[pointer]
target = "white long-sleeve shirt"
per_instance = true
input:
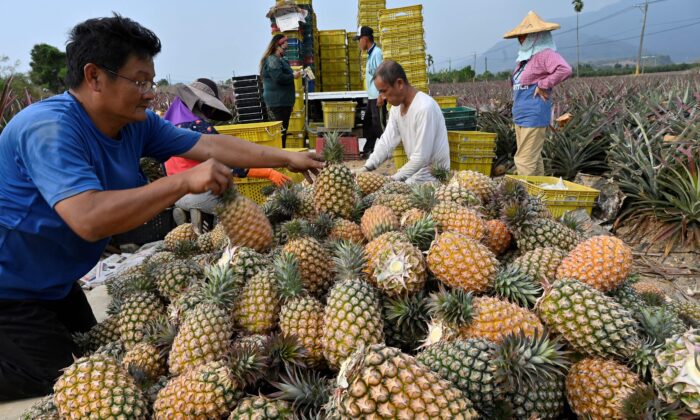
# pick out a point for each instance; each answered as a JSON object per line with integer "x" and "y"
{"x": 424, "y": 136}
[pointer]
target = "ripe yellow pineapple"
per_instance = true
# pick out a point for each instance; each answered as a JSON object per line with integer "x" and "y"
{"x": 257, "y": 307}
{"x": 244, "y": 221}
{"x": 98, "y": 387}
{"x": 596, "y": 388}
{"x": 494, "y": 319}
{"x": 398, "y": 203}
{"x": 213, "y": 240}
{"x": 463, "y": 263}
{"x": 183, "y": 233}
{"x": 174, "y": 277}
{"x": 208, "y": 391}
{"x": 480, "y": 184}
{"x": 497, "y": 236}
{"x": 335, "y": 189}
{"x": 451, "y": 217}
{"x": 345, "y": 229}
{"x": 370, "y": 182}
{"x": 150, "y": 355}
{"x": 603, "y": 262}
{"x": 399, "y": 270}
{"x": 376, "y": 246}
{"x": 378, "y": 220}
{"x": 649, "y": 287}
{"x": 314, "y": 264}
{"x": 381, "y": 382}
{"x": 457, "y": 194}
{"x": 540, "y": 263}
{"x": 136, "y": 311}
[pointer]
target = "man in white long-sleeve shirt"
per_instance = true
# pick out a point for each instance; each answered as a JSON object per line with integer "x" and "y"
{"x": 416, "y": 121}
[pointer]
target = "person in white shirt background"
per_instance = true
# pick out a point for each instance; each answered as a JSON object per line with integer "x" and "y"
{"x": 415, "y": 121}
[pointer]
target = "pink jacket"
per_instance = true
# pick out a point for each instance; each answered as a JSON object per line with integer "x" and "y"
{"x": 546, "y": 69}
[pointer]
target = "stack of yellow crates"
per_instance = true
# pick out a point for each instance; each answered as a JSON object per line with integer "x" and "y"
{"x": 334, "y": 60}
{"x": 354, "y": 60}
{"x": 403, "y": 41}
{"x": 296, "y": 133}
{"x": 368, "y": 15}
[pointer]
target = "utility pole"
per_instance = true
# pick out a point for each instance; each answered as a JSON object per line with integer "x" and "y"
{"x": 474, "y": 67}
{"x": 641, "y": 38}
{"x": 450, "y": 63}
{"x": 486, "y": 64}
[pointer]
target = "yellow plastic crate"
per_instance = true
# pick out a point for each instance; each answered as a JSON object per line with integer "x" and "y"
{"x": 296, "y": 124}
{"x": 401, "y": 12}
{"x": 480, "y": 164}
{"x": 333, "y": 37}
{"x": 334, "y": 65}
{"x": 296, "y": 139}
{"x": 332, "y": 52}
{"x": 446, "y": 101}
{"x": 466, "y": 142}
{"x": 264, "y": 133}
{"x": 299, "y": 102}
{"x": 252, "y": 188}
{"x": 559, "y": 201}
{"x": 339, "y": 114}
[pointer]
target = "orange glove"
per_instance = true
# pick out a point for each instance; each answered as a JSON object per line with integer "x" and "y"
{"x": 277, "y": 178}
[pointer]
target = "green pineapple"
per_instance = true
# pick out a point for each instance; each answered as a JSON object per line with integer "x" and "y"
{"x": 258, "y": 304}
{"x": 406, "y": 321}
{"x": 174, "y": 277}
{"x": 335, "y": 189}
{"x": 532, "y": 231}
{"x": 261, "y": 408}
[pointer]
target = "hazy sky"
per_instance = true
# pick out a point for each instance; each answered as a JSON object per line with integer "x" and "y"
{"x": 229, "y": 36}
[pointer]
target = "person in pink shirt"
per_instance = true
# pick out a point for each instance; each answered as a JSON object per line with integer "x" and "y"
{"x": 539, "y": 68}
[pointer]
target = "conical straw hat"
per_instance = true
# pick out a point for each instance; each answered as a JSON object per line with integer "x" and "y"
{"x": 530, "y": 25}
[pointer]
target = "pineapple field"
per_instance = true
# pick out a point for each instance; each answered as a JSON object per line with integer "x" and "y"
{"x": 362, "y": 297}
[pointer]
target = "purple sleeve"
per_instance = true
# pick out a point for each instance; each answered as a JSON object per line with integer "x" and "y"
{"x": 556, "y": 68}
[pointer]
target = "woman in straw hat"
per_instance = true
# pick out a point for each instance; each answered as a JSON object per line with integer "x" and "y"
{"x": 194, "y": 107}
{"x": 539, "y": 68}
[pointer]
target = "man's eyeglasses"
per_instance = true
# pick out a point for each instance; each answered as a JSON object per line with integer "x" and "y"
{"x": 144, "y": 87}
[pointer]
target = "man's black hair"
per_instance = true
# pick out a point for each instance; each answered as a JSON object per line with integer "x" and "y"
{"x": 390, "y": 71}
{"x": 107, "y": 42}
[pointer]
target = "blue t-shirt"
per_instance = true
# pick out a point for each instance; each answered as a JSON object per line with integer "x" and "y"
{"x": 52, "y": 151}
{"x": 529, "y": 110}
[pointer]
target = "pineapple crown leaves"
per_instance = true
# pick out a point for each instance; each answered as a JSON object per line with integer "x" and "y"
{"x": 222, "y": 285}
{"x": 332, "y": 149}
{"x": 523, "y": 359}
{"x": 517, "y": 287}
{"x": 296, "y": 228}
{"x": 515, "y": 216}
{"x": 642, "y": 359}
{"x": 185, "y": 249}
{"x": 286, "y": 201}
{"x": 284, "y": 351}
{"x": 160, "y": 332}
{"x": 422, "y": 233}
{"x": 454, "y": 307}
{"x": 574, "y": 223}
{"x": 644, "y": 403}
{"x": 423, "y": 197}
{"x": 659, "y": 323}
{"x": 248, "y": 364}
{"x": 321, "y": 226}
{"x": 440, "y": 173}
{"x": 349, "y": 259}
{"x": 307, "y": 390}
{"x": 288, "y": 275}
{"x": 408, "y": 312}
{"x": 226, "y": 198}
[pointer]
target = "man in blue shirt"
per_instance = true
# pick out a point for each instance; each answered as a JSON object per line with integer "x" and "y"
{"x": 372, "y": 127}
{"x": 70, "y": 179}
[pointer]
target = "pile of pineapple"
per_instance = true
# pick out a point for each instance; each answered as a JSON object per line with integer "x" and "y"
{"x": 361, "y": 297}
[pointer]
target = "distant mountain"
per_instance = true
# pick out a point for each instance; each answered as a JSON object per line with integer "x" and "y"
{"x": 672, "y": 30}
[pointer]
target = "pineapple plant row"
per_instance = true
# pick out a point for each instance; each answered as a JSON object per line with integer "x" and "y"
{"x": 365, "y": 297}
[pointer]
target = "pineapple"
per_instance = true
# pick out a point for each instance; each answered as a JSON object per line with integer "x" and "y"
{"x": 301, "y": 315}
{"x": 205, "y": 329}
{"x": 212, "y": 241}
{"x": 596, "y": 388}
{"x": 497, "y": 236}
{"x": 44, "y": 409}
{"x": 352, "y": 315}
{"x": 99, "y": 335}
{"x": 376, "y": 246}
{"x": 451, "y": 217}
{"x": 183, "y": 233}
{"x": 136, "y": 311}
{"x": 244, "y": 221}
{"x": 98, "y": 387}
{"x": 174, "y": 277}
{"x": 208, "y": 391}
{"x": 591, "y": 322}
{"x": 378, "y": 220}
{"x": 649, "y": 288}
{"x": 306, "y": 207}
{"x": 532, "y": 231}
{"x": 398, "y": 203}
{"x": 412, "y": 216}
{"x": 314, "y": 264}
{"x": 158, "y": 258}
{"x": 461, "y": 262}
{"x": 676, "y": 373}
{"x": 395, "y": 187}
{"x": 261, "y": 408}
{"x": 459, "y": 314}
{"x": 456, "y": 194}
{"x": 399, "y": 269}
{"x": 540, "y": 263}
{"x": 335, "y": 189}
{"x": 257, "y": 307}
{"x": 517, "y": 287}
{"x": 370, "y": 182}
{"x": 479, "y": 184}
{"x": 381, "y": 382}
{"x": 246, "y": 263}
{"x": 347, "y": 230}
{"x": 603, "y": 262}
{"x": 150, "y": 356}
{"x": 689, "y": 312}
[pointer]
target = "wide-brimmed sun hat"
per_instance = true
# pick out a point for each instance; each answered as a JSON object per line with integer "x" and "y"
{"x": 206, "y": 92}
{"x": 530, "y": 25}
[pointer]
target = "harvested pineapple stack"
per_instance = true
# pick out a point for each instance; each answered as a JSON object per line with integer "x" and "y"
{"x": 365, "y": 297}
